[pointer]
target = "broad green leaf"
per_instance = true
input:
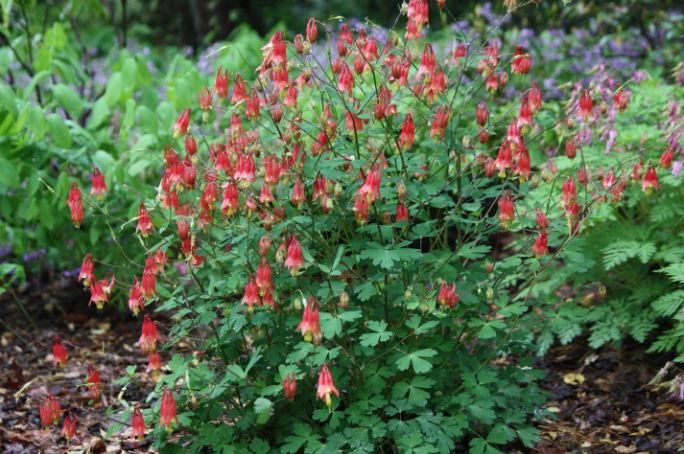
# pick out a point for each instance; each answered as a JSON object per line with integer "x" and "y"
{"x": 416, "y": 360}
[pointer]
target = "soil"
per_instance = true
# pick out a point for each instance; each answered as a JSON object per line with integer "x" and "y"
{"x": 602, "y": 399}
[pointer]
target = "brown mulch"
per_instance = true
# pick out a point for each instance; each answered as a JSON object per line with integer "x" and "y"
{"x": 601, "y": 399}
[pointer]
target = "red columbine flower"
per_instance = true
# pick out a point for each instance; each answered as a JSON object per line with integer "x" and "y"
{"x": 408, "y": 132}
{"x": 154, "y": 364}
{"x": 298, "y": 197}
{"x": 571, "y": 148}
{"x": 230, "y": 203}
{"x": 160, "y": 260}
{"x": 75, "y": 205}
{"x": 59, "y": 352}
{"x": 506, "y": 210}
{"x": 182, "y": 123}
{"x": 541, "y": 244}
{"x": 69, "y": 427}
{"x": 137, "y": 424}
{"x": 504, "y": 158}
{"x": 98, "y": 293}
{"x": 311, "y": 30}
{"x": 620, "y": 100}
{"x": 87, "y": 270}
{"x": 459, "y": 52}
{"x": 144, "y": 221}
{"x": 447, "y": 295}
{"x": 427, "y": 61}
{"x": 221, "y": 83}
{"x": 263, "y": 276}
{"x": 371, "y": 186}
{"x": 50, "y": 411}
{"x": 535, "y": 98}
{"x": 481, "y": 113}
{"x": 522, "y": 62}
{"x": 665, "y": 161}
{"x": 150, "y": 336}
{"x": 439, "y": 123}
{"x": 239, "y": 90}
{"x": 94, "y": 383}
{"x": 310, "y": 326}
{"x": 345, "y": 81}
{"x": 542, "y": 220}
{"x": 205, "y": 99}
{"x": 402, "y": 213}
{"x": 190, "y": 145}
{"x": 418, "y": 12}
{"x": 136, "y": 302}
{"x": 569, "y": 193}
{"x": 251, "y": 296}
{"x": 264, "y": 245}
{"x": 525, "y": 114}
{"x": 294, "y": 259}
{"x": 586, "y": 104}
{"x": 149, "y": 283}
{"x": 361, "y": 206}
{"x": 99, "y": 186}
{"x": 289, "y": 386}
{"x": 167, "y": 409}
{"x": 650, "y": 181}
{"x": 326, "y": 386}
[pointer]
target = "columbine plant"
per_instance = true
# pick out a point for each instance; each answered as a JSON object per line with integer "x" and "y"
{"x": 330, "y": 226}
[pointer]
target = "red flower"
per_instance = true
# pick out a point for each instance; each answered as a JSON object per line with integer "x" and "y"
{"x": 251, "y": 296}
{"x": 263, "y": 276}
{"x": 418, "y": 15}
{"x": 167, "y": 409}
{"x": 149, "y": 283}
{"x": 586, "y": 104}
{"x": 504, "y": 158}
{"x": 361, "y": 206}
{"x": 571, "y": 148}
{"x": 311, "y": 30}
{"x": 569, "y": 193}
{"x": 298, "y": 197}
{"x": 402, "y": 213}
{"x": 371, "y": 186}
{"x": 294, "y": 259}
{"x": 137, "y": 424}
{"x": 59, "y": 352}
{"x": 239, "y": 90}
{"x": 540, "y": 246}
{"x": 620, "y": 100}
{"x": 535, "y": 97}
{"x": 522, "y": 62}
{"x": 99, "y": 186}
{"x": 542, "y": 220}
{"x": 345, "y": 81}
{"x": 506, "y": 210}
{"x": 310, "y": 326}
{"x": 136, "y": 302}
{"x": 427, "y": 61}
{"x": 69, "y": 427}
{"x": 459, "y": 52}
{"x": 75, "y": 205}
{"x": 650, "y": 181}
{"x": 205, "y": 99}
{"x": 190, "y": 145}
{"x": 149, "y": 337}
{"x": 50, "y": 411}
{"x": 182, "y": 123}
{"x": 665, "y": 161}
{"x": 221, "y": 83}
{"x": 144, "y": 221}
{"x": 326, "y": 386}
{"x": 408, "y": 131}
{"x": 447, "y": 295}
{"x": 481, "y": 113}
{"x": 525, "y": 114}
{"x": 230, "y": 203}
{"x": 94, "y": 383}
{"x": 99, "y": 292}
{"x": 439, "y": 122}
{"x": 154, "y": 364}
{"x": 87, "y": 270}
{"x": 289, "y": 386}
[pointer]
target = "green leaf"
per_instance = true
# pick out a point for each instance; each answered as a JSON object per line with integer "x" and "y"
{"x": 113, "y": 90}
{"x": 486, "y": 332}
{"x": 380, "y": 334}
{"x": 262, "y": 408}
{"x": 385, "y": 258}
{"x": 99, "y": 114}
{"x": 416, "y": 360}
{"x": 500, "y": 434}
{"x": 675, "y": 272}
{"x": 9, "y": 176}
{"x": 8, "y": 99}
{"x": 59, "y": 131}
{"x": 529, "y": 436}
{"x": 68, "y": 99}
{"x": 293, "y": 443}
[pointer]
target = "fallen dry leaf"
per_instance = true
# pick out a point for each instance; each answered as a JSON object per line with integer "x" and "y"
{"x": 573, "y": 378}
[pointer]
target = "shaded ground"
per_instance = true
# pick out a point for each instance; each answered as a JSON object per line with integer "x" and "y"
{"x": 601, "y": 399}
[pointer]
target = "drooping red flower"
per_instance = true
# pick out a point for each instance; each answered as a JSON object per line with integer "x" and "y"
{"x": 522, "y": 61}
{"x": 665, "y": 160}
{"x": 506, "y": 210}
{"x": 504, "y": 158}
{"x": 136, "y": 302}
{"x": 408, "y": 132}
{"x": 87, "y": 270}
{"x": 650, "y": 181}
{"x": 50, "y": 410}
{"x": 263, "y": 276}
{"x": 310, "y": 326}
{"x": 541, "y": 244}
{"x": 149, "y": 283}
{"x": 418, "y": 16}
{"x": 180, "y": 128}
{"x": 221, "y": 83}
{"x": 542, "y": 220}
{"x": 586, "y": 104}
{"x": 294, "y": 259}
{"x": 69, "y": 427}
{"x": 620, "y": 100}
{"x": 59, "y": 352}
{"x": 402, "y": 213}
{"x": 459, "y": 52}
{"x": 447, "y": 296}
{"x": 230, "y": 203}
{"x": 289, "y": 386}
{"x": 144, "y": 221}
{"x": 99, "y": 292}
{"x": 154, "y": 364}
{"x": 569, "y": 193}
{"x": 427, "y": 62}
{"x": 571, "y": 148}
{"x": 371, "y": 186}
{"x": 137, "y": 424}
{"x": 167, "y": 409}
{"x": 150, "y": 336}
{"x": 75, "y": 205}
{"x": 439, "y": 123}
{"x": 190, "y": 145}
{"x": 326, "y": 386}
{"x": 535, "y": 97}
{"x": 251, "y": 296}
{"x": 525, "y": 114}
{"x": 345, "y": 81}
{"x": 94, "y": 383}
{"x": 99, "y": 188}
{"x": 481, "y": 113}
{"x": 298, "y": 197}
{"x": 205, "y": 99}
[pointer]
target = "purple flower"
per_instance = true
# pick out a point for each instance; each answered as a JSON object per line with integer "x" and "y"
{"x": 677, "y": 168}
